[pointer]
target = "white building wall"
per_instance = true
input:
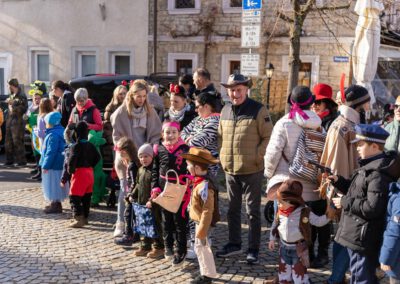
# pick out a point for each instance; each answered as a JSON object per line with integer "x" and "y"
{"x": 63, "y": 27}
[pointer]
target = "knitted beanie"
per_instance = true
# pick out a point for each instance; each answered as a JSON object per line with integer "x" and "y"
{"x": 53, "y": 118}
{"x": 356, "y": 95}
{"x": 146, "y": 149}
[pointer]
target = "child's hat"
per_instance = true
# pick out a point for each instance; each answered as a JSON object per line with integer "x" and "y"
{"x": 201, "y": 156}
{"x": 53, "y": 118}
{"x": 81, "y": 130}
{"x": 371, "y": 133}
{"x": 291, "y": 191}
{"x": 146, "y": 149}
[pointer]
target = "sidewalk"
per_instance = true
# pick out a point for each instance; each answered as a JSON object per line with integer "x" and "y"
{"x": 40, "y": 248}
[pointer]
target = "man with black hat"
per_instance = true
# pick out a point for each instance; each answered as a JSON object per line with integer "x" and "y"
{"x": 15, "y": 125}
{"x": 341, "y": 156}
{"x": 244, "y": 132}
{"x": 364, "y": 204}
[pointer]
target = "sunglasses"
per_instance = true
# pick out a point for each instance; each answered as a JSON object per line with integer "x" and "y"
{"x": 396, "y": 106}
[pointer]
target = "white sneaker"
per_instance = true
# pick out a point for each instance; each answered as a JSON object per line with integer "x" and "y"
{"x": 119, "y": 229}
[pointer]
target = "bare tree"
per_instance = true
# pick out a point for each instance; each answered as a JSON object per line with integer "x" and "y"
{"x": 299, "y": 13}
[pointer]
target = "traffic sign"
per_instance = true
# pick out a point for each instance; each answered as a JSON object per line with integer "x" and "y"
{"x": 250, "y": 35}
{"x": 251, "y": 16}
{"x": 252, "y": 4}
{"x": 249, "y": 64}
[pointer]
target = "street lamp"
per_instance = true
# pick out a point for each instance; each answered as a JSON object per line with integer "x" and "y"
{"x": 269, "y": 71}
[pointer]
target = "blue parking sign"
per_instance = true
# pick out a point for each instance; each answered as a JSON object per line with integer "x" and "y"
{"x": 252, "y": 4}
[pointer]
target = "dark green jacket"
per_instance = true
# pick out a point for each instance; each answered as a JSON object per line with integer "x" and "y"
{"x": 142, "y": 190}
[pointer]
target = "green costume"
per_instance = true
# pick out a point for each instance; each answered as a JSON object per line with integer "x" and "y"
{"x": 99, "y": 187}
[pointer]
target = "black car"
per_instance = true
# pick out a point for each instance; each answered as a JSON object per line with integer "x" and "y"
{"x": 101, "y": 86}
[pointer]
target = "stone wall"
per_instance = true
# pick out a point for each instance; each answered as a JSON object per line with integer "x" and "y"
{"x": 180, "y": 34}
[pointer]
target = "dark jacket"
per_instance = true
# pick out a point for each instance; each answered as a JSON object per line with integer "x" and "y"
{"x": 327, "y": 120}
{"x": 67, "y": 104}
{"x": 364, "y": 204}
{"x": 166, "y": 160}
{"x": 83, "y": 155}
{"x": 188, "y": 117}
{"x": 142, "y": 190}
{"x": 390, "y": 251}
{"x": 132, "y": 171}
{"x": 244, "y": 132}
{"x": 53, "y": 148}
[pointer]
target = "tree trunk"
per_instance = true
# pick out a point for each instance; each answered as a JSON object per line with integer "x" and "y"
{"x": 294, "y": 51}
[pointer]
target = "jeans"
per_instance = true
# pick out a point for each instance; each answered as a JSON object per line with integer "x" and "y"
{"x": 121, "y": 201}
{"x": 249, "y": 185}
{"x": 362, "y": 268}
{"x": 340, "y": 263}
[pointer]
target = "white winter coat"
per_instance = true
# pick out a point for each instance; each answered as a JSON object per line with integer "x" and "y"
{"x": 284, "y": 138}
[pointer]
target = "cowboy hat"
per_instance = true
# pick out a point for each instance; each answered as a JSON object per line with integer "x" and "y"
{"x": 199, "y": 155}
{"x": 235, "y": 80}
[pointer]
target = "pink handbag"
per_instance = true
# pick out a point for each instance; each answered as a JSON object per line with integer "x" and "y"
{"x": 171, "y": 198}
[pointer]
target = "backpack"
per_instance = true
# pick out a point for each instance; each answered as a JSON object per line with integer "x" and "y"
{"x": 309, "y": 147}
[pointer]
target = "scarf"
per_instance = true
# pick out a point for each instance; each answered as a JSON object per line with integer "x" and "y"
{"x": 139, "y": 117}
{"x": 286, "y": 212}
{"x": 296, "y": 108}
{"x": 172, "y": 148}
{"x": 178, "y": 115}
{"x": 324, "y": 114}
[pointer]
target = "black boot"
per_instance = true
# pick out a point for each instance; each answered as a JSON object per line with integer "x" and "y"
{"x": 86, "y": 206}
{"x": 76, "y": 205}
{"x": 38, "y": 175}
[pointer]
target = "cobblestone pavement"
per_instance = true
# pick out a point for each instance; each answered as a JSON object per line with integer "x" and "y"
{"x": 40, "y": 248}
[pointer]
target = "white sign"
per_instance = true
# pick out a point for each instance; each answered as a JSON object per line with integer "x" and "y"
{"x": 251, "y": 16}
{"x": 249, "y": 64}
{"x": 250, "y": 36}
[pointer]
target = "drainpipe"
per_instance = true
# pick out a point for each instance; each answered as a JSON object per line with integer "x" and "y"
{"x": 154, "y": 36}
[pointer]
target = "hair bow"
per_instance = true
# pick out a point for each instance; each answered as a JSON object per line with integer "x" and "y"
{"x": 174, "y": 89}
{"x": 131, "y": 82}
{"x": 124, "y": 83}
{"x": 297, "y": 109}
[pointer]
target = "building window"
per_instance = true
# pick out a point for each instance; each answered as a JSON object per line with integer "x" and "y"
{"x": 305, "y": 74}
{"x": 234, "y": 67}
{"x": 40, "y": 65}
{"x": 236, "y": 3}
{"x": 85, "y": 62}
{"x": 119, "y": 61}
{"x": 232, "y": 6}
{"x": 183, "y": 63}
{"x": 184, "y": 6}
{"x": 184, "y": 66}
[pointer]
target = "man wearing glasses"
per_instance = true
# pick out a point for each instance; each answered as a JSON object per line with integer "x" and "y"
{"x": 392, "y": 143}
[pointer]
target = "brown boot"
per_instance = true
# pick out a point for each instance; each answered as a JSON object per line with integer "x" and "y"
{"x": 141, "y": 252}
{"x": 54, "y": 208}
{"x": 156, "y": 253}
{"x": 79, "y": 222}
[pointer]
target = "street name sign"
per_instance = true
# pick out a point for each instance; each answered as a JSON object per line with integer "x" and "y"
{"x": 249, "y": 64}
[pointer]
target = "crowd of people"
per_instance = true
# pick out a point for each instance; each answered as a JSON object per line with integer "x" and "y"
{"x": 322, "y": 163}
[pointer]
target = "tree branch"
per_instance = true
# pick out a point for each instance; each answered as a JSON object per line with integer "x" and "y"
{"x": 284, "y": 17}
{"x": 333, "y": 8}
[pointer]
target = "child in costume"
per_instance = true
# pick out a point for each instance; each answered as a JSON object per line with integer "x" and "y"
{"x": 168, "y": 156}
{"x": 203, "y": 207}
{"x": 292, "y": 227}
{"x": 83, "y": 159}
{"x": 51, "y": 163}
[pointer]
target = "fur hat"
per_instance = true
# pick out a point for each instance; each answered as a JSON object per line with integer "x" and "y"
{"x": 356, "y": 95}
{"x": 201, "y": 156}
{"x": 146, "y": 149}
{"x": 291, "y": 191}
{"x": 81, "y": 130}
{"x": 53, "y": 118}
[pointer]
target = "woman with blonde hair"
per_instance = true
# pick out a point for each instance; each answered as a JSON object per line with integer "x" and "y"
{"x": 137, "y": 120}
